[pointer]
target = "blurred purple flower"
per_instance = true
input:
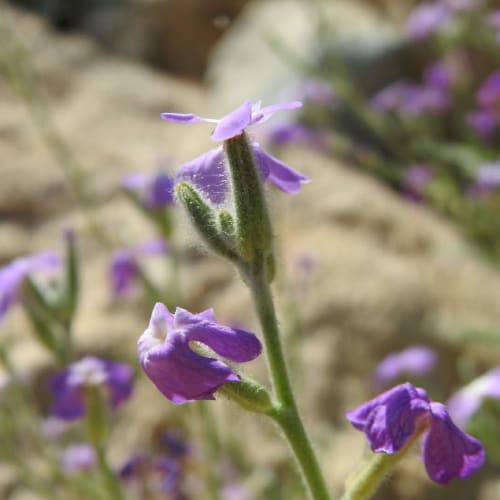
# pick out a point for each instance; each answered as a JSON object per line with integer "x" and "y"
{"x": 442, "y": 75}
{"x": 286, "y": 133}
{"x": 78, "y": 457}
{"x": 174, "y": 445}
{"x": 124, "y": 268}
{"x": 13, "y": 274}
{"x": 426, "y": 19}
{"x": 169, "y": 473}
{"x": 317, "y": 91}
{"x": 488, "y": 95}
{"x": 392, "y": 418}
{"x": 464, "y": 403}
{"x": 67, "y": 387}
{"x": 135, "y": 466}
{"x": 234, "y": 491}
{"x": 410, "y": 99}
{"x": 207, "y": 172}
{"x": 415, "y": 360}
{"x": 485, "y": 123}
{"x": 53, "y": 427}
{"x": 415, "y": 181}
{"x": 178, "y": 372}
{"x": 154, "y": 190}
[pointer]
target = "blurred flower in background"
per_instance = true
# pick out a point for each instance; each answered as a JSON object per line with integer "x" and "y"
{"x": 413, "y": 361}
{"x": 78, "y": 457}
{"x": 68, "y": 386}
{"x": 12, "y": 276}
{"x": 125, "y": 268}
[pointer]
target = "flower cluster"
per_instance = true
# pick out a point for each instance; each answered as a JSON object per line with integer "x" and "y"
{"x": 391, "y": 419}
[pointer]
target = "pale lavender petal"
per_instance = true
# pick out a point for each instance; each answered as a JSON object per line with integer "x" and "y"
{"x": 185, "y": 118}
{"x": 119, "y": 382}
{"x": 279, "y": 174}
{"x": 207, "y": 173}
{"x": 464, "y": 403}
{"x": 13, "y": 274}
{"x": 266, "y": 112}
{"x": 231, "y": 343}
{"x": 415, "y": 360}
{"x": 78, "y": 457}
{"x": 426, "y": 19}
{"x": 448, "y": 452}
{"x": 234, "y": 123}
{"x": 156, "y": 246}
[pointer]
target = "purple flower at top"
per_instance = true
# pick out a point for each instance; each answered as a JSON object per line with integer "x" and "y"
{"x": 124, "y": 267}
{"x": 415, "y": 181}
{"x": 13, "y": 274}
{"x": 237, "y": 121}
{"x": 426, "y": 19}
{"x": 178, "y": 372}
{"x": 67, "y": 387}
{"x": 154, "y": 190}
{"x": 464, "y": 403}
{"x": 208, "y": 173}
{"x": 414, "y": 360}
{"x": 78, "y": 457}
{"x": 393, "y": 417}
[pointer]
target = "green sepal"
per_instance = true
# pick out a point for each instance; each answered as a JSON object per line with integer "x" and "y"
{"x": 248, "y": 394}
{"x": 204, "y": 219}
{"x": 72, "y": 277}
{"x": 253, "y": 225}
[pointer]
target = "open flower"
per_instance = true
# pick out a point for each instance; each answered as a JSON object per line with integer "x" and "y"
{"x": 68, "y": 386}
{"x": 13, "y": 274}
{"x": 414, "y": 360}
{"x": 466, "y": 402}
{"x": 207, "y": 172}
{"x": 392, "y": 418}
{"x": 178, "y": 372}
{"x": 124, "y": 268}
{"x": 426, "y": 19}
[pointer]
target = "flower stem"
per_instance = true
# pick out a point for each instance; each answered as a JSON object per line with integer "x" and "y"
{"x": 113, "y": 488}
{"x": 211, "y": 449}
{"x": 366, "y": 482}
{"x": 285, "y": 411}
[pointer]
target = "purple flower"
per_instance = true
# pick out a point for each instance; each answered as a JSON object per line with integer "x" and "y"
{"x": 484, "y": 122}
{"x": 154, "y": 190}
{"x": 124, "y": 268}
{"x": 392, "y": 418}
{"x": 415, "y": 181}
{"x": 134, "y": 467}
{"x": 415, "y": 360}
{"x": 237, "y": 121}
{"x": 78, "y": 458}
{"x": 488, "y": 95}
{"x": 426, "y": 19}
{"x": 178, "y": 372}
{"x": 13, "y": 274}
{"x": 67, "y": 387}
{"x": 464, "y": 403}
{"x": 410, "y": 99}
{"x": 207, "y": 172}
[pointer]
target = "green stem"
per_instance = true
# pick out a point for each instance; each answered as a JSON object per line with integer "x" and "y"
{"x": 109, "y": 478}
{"x": 368, "y": 479}
{"x": 210, "y": 448}
{"x": 285, "y": 412}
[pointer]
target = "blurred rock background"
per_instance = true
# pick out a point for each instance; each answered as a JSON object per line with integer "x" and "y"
{"x": 387, "y": 275}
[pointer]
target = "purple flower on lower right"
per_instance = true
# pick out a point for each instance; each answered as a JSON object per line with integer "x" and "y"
{"x": 391, "y": 419}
